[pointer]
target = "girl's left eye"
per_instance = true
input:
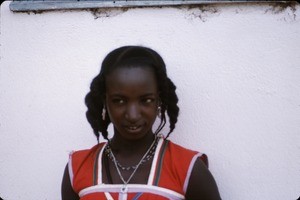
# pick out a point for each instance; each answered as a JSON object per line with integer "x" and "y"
{"x": 148, "y": 100}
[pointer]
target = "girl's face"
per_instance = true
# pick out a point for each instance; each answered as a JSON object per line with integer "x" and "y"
{"x": 132, "y": 100}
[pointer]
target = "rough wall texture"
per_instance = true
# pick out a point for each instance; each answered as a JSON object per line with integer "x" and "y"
{"x": 237, "y": 68}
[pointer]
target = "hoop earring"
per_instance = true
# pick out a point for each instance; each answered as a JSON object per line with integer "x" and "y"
{"x": 159, "y": 111}
{"x": 103, "y": 113}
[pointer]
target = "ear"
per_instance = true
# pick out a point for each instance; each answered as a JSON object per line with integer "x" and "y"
{"x": 159, "y": 102}
{"x": 104, "y": 101}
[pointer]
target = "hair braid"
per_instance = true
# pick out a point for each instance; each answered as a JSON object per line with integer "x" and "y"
{"x": 94, "y": 102}
{"x": 173, "y": 109}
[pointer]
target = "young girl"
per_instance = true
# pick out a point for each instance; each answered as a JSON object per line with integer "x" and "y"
{"x": 138, "y": 162}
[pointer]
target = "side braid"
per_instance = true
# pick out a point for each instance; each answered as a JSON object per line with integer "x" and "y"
{"x": 172, "y": 109}
{"x": 94, "y": 102}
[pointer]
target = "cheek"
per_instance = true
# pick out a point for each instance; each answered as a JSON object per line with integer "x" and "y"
{"x": 151, "y": 112}
{"x": 114, "y": 113}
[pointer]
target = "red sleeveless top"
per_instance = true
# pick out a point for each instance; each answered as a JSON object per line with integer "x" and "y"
{"x": 169, "y": 176}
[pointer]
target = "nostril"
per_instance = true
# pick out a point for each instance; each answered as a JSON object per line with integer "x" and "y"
{"x": 133, "y": 114}
{"x": 132, "y": 118}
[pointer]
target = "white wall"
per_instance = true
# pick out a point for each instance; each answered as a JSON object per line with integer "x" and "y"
{"x": 237, "y": 68}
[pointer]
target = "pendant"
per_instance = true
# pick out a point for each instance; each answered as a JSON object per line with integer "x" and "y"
{"x": 124, "y": 189}
{"x": 123, "y": 192}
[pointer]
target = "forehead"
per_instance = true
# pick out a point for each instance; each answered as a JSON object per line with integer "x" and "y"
{"x": 131, "y": 80}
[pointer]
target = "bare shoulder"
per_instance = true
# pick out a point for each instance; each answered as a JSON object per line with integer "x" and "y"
{"x": 67, "y": 192}
{"x": 202, "y": 184}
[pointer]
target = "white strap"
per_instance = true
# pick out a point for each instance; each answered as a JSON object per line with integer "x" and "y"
{"x": 99, "y": 180}
{"x": 189, "y": 172}
{"x": 70, "y": 168}
{"x": 154, "y": 162}
{"x": 108, "y": 196}
{"x": 132, "y": 188}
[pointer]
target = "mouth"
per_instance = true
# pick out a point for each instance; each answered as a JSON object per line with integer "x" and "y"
{"x": 134, "y": 129}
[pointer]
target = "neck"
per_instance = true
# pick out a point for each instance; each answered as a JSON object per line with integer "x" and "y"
{"x": 121, "y": 145}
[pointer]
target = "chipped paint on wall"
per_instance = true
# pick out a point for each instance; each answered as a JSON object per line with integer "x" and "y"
{"x": 204, "y": 12}
{"x": 198, "y": 11}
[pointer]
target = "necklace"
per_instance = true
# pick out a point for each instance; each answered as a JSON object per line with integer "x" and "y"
{"x": 146, "y": 158}
{"x": 135, "y": 167}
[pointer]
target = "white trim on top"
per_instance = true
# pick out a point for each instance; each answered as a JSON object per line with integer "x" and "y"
{"x": 154, "y": 161}
{"x": 189, "y": 172}
{"x": 99, "y": 178}
{"x": 132, "y": 188}
{"x": 70, "y": 168}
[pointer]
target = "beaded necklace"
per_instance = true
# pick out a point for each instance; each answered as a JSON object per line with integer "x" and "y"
{"x": 147, "y": 156}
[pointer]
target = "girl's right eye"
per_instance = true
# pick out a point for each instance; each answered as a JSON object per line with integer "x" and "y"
{"x": 118, "y": 101}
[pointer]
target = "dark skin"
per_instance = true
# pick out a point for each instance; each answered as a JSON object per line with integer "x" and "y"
{"x": 132, "y": 99}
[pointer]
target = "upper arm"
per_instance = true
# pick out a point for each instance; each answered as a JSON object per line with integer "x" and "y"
{"x": 67, "y": 192}
{"x": 202, "y": 184}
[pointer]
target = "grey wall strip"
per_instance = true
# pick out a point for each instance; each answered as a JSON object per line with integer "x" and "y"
{"x": 34, "y": 5}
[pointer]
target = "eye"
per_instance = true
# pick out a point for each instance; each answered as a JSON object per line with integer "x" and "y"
{"x": 148, "y": 100}
{"x": 118, "y": 101}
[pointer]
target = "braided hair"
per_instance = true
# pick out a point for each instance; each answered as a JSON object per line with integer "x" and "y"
{"x": 131, "y": 56}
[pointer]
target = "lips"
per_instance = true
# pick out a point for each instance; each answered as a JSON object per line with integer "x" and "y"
{"x": 134, "y": 128}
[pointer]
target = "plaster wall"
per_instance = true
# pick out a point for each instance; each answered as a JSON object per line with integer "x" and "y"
{"x": 236, "y": 67}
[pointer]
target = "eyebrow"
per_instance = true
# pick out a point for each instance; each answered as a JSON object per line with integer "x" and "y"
{"x": 121, "y": 95}
{"x": 148, "y": 94}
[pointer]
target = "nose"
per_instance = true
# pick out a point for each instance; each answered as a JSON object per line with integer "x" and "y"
{"x": 133, "y": 113}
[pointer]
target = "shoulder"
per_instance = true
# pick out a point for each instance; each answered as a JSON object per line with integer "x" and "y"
{"x": 202, "y": 183}
{"x": 198, "y": 180}
{"x": 180, "y": 161}
{"x": 184, "y": 153}
{"x": 79, "y": 162}
{"x": 84, "y": 152}
{"x": 178, "y": 148}
{"x": 79, "y": 156}
{"x": 81, "y": 166}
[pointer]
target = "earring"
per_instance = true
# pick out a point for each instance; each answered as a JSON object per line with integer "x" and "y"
{"x": 103, "y": 113}
{"x": 159, "y": 111}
